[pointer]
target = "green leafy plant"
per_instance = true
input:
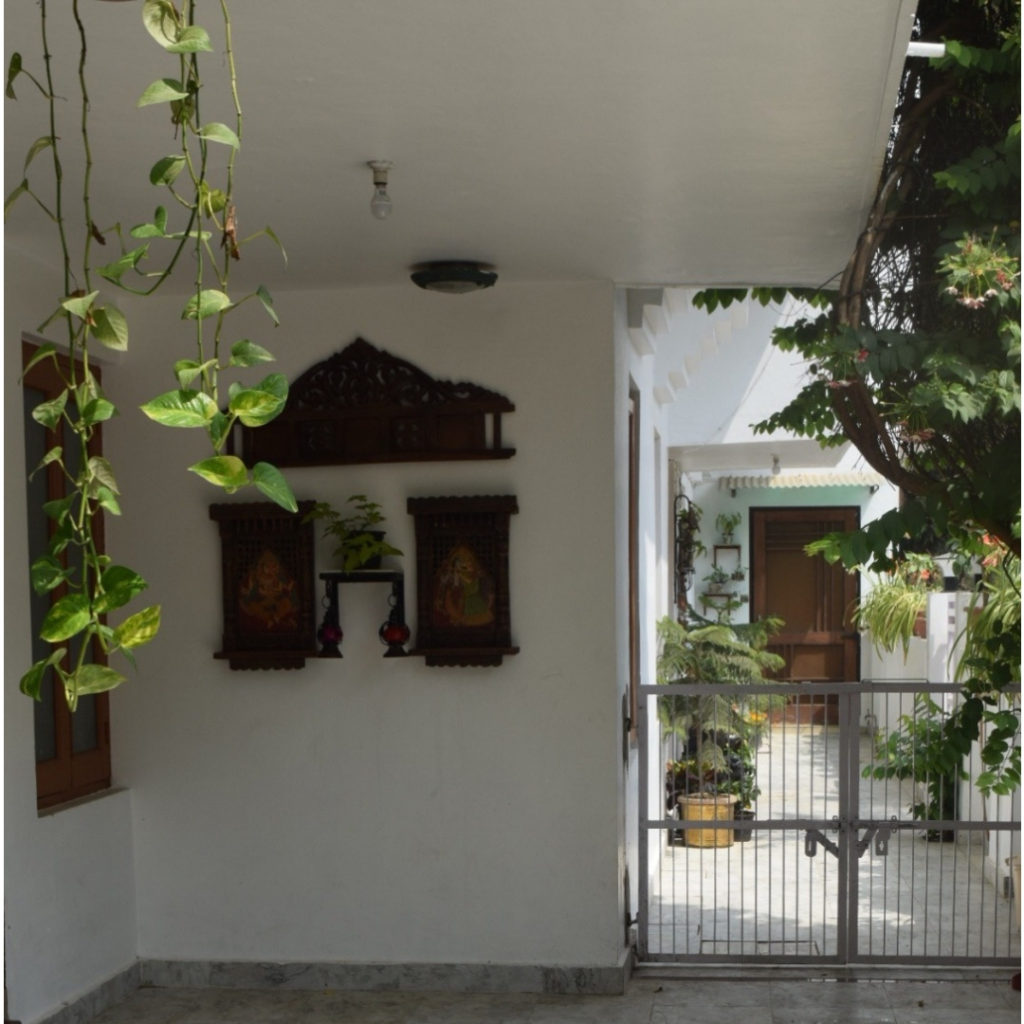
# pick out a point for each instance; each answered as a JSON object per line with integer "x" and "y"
{"x": 359, "y": 543}
{"x": 718, "y": 576}
{"x": 919, "y": 750}
{"x": 891, "y": 608}
{"x": 93, "y": 587}
{"x": 726, "y": 523}
{"x": 699, "y": 651}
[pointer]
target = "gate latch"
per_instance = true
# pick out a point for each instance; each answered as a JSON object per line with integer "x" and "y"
{"x": 881, "y": 835}
{"x": 882, "y": 842}
{"x": 814, "y": 836}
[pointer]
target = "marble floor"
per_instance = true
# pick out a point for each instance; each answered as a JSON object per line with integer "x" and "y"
{"x": 648, "y": 1000}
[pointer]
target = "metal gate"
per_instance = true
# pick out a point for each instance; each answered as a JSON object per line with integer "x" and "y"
{"x": 852, "y": 851}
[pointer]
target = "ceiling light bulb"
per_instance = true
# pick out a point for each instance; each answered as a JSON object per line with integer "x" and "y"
{"x": 380, "y": 204}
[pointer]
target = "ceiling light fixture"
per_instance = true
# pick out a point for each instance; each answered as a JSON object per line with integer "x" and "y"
{"x": 380, "y": 204}
{"x": 454, "y": 276}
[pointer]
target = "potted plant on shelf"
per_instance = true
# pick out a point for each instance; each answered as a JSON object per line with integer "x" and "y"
{"x": 713, "y": 774}
{"x": 726, "y": 523}
{"x": 360, "y": 544}
{"x": 716, "y": 579}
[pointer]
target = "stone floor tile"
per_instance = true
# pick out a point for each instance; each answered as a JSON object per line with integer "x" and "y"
{"x": 724, "y": 993}
{"x": 969, "y": 995}
{"x": 709, "y": 1013}
{"x": 628, "y": 1009}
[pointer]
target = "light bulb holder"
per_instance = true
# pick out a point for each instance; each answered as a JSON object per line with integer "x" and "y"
{"x": 380, "y": 204}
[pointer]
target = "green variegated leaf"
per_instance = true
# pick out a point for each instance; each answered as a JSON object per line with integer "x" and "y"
{"x": 162, "y": 21}
{"x": 218, "y": 428}
{"x": 277, "y": 241}
{"x": 146, "y": 231}
{"x": 270, "y": 480}
{"x": 163, "y": 90}
{"x": 192, "y": 39}
{"x": 213, "y": 200}
{"x": 47, "y": 573}
{"x": 217, "y": 132}
{"x": 247, "y": 353}
{"x": 49, "y": 413}
{"x": 108, "y": 500}
{"x": 181, "y": 409}
{"x": 118, "y": 585}
{"x": 43, "y": 142}
{"x": 92, "y": 679}
{"x": 209, "y": 302}
{"x": 33, "y": 678}
{"x": 268, "y": 303}
{"x": 53, "y": 455}
{"x": 186, "y": 370}
{"x": 259, "y": 405}
{"x": 110, "y": 328}
{"x": 66, "y": 617}
{"x": 227, "y": 471}
{"x": 48, "y": 350}
{"x": 59, "y": 507}
{"x": 138, "y": 629}
{"x": 18, "y": 190}
{"x": 166, "y": 169}
{"x": 79, "y": 305}
{"x": 102, "y": 472}
{"x": 13, "y": 70}
{"x": 99, "y": 410}
{"x": 116, "y": 270}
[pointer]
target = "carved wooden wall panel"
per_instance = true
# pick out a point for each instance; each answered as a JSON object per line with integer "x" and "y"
{"x": 364, "y": 405}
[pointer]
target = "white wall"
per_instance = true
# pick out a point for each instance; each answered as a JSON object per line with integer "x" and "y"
{"x": 369, "y": 809}
{"x": 69, "y": 906}
{"x": 640, "y": 372}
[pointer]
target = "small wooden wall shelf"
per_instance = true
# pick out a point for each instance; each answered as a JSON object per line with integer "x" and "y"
{"x": 364, "y": 405}
{"x": 393, "y": 632}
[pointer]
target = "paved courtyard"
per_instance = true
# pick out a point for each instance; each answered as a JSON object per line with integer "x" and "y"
{"x": 779, "y": 892}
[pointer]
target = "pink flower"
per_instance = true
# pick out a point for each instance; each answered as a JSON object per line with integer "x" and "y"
{"x": 862, "y": 355}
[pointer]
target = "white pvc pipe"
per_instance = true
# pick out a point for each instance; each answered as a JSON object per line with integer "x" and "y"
{"x": 926, "y": 49}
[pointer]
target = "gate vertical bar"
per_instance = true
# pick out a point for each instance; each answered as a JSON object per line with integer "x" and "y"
{"x": 849, "y": 726}
{"x": 643, "y": 882}
{"x": 847, "y": 835}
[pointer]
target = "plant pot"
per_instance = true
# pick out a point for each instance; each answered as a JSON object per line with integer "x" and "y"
{"x": 743, "y": 835}
{"x": 371, "y": 561}
{"x": 708, "y": 808}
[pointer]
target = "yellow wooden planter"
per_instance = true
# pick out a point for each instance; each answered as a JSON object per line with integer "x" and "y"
{"x": 708, "y": 808}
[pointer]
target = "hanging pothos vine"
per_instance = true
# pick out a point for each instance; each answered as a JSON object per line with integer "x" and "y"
{"x": 88, "y": 582}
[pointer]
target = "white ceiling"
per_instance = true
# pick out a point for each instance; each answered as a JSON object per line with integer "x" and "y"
{"x": 645, "y": 142}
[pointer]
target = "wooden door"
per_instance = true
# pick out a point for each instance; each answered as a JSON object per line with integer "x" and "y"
{"x": 813, "y": 598}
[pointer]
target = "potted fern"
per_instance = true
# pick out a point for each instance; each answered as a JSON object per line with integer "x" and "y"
{"x": 714, "y": 775}
{"x": 360, "y": 544}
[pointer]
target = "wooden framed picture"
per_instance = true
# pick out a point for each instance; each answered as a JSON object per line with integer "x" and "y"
{"x": 462, "y": 597}
{"x": 267, "y": 585}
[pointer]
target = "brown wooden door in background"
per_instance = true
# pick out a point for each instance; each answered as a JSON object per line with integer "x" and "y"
{"x": 812, "y": 597}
